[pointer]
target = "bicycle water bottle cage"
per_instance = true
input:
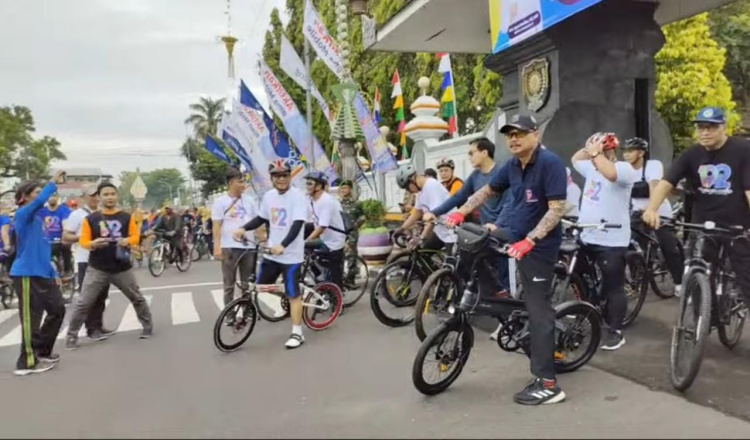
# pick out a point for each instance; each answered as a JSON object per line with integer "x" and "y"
{"x": 472, "y": 238}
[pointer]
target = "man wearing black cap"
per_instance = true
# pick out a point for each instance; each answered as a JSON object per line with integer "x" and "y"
{"x": 718, "y": 168}
{"x": 537, "y": 180}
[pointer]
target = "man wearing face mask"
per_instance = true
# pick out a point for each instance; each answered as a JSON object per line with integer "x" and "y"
{"x": 606, "y": 197}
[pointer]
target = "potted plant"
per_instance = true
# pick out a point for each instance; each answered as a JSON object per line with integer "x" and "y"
{"x": 374, "y": 244}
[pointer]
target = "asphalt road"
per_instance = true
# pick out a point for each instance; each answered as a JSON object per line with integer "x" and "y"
{"x": 352, "y": 380}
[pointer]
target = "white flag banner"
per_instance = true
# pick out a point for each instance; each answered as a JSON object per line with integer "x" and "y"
{"x": 293, "y": 66}
{"x": 325, "y": 46}
{"x": 296, "y": 126}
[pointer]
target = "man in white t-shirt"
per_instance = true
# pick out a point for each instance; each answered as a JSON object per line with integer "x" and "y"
{"x": 71, "y": 235}
{"x": 284, "y": 210}
{"x": 228, "y": 213}
{"x": 648, "y": 175}
{"x": 430, "y": 195}
{"x": 573, "y": 201}
{"x": 329, "y": 225}
{"x": 606, "y": 197}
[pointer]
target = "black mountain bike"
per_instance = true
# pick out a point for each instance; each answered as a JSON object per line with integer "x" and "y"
{"x": 710, "y": 299}
{"x": 447, "y": 348}
{"x": 199, "y": 245}
{"x": 315, "y": 270}
{"x": 658, "y": 273}
{"x": 577, "y": 276}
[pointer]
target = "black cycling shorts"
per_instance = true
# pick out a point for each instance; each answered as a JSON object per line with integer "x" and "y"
{"x": 270, "y": 270}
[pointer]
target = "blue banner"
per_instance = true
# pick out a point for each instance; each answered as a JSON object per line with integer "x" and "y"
{"x": 214, "y": 148}
{"x": 516, "y": 20}
{"x": 237, "y": 149}
{"x": 382, "y": 158}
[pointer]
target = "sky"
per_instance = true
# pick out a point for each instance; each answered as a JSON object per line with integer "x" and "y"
{"x": 112, "y": 79}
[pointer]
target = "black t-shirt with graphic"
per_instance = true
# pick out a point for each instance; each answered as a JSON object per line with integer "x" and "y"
{"x": 719, "y": 179}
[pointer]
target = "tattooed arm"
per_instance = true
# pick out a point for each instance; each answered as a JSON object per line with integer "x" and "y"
{"x": 477, "y": 200}
{"x": 550, "y": 220}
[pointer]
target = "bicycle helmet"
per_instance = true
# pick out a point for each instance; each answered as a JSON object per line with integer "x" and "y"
{"x": 636, "y": 144}
{"x": 279, "y": 166}
{"x": 445, "y": 162}
{"x": 403, "y": 175}
{"x": 610, "y": 141}
{"x": 318, "y": 177}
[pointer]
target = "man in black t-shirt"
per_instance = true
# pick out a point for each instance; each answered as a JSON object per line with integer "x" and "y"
{"x": 718, "y": 170}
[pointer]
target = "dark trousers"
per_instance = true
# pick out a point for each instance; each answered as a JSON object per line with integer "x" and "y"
{"x": 64, "y": 252}
{"x": 671, "y": 251}
{"x": 232, "y": 260}
{"x": 536, "y": 272}
{"x": 95, "y": 318}
{"x": 611, "y": 261}
{"x": 739, "y": 259}
{"x": 36, "y": 296}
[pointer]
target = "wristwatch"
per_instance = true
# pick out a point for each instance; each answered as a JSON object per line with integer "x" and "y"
{"x": 596, "y": 153}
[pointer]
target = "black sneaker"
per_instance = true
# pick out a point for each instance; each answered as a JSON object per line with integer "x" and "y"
{"x": 536, "y": 393}
{"x": 97, "y": 335}
{"x": 52, "y": 358}
{"x": 613, "y": 340}
{"x": 71, "y": 342}
{"x": 146, "y": 333}
{"x": 40, "y": 367}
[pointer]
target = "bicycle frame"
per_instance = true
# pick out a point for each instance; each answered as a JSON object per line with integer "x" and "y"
{"x": 279, "y": 291}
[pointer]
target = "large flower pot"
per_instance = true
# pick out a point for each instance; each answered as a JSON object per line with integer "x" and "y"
{"x": 374, "y": 245}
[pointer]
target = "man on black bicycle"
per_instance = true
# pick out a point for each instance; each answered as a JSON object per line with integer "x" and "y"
{"x": 537, "y": 179}
{"x": 718, "y": 168}
{"x": 606, "y": 197}
{"x": 171, "y": 225}
{"x": 284, "y": 210}
{"x": 430, "y": 195}
{"x": 329, "y": 225}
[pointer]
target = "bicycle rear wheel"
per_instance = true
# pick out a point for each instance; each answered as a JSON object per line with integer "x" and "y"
{"x": 394, "y": 281}
{"x": 690, "y": 334}
{"x": 271, "y": 307}
{"x": 433, "y": 302}
{"x": 636, "y": 285}
{"x": 7, "y": 296}
{"x": 660, "y": 278}
{"x": 244, "y": 317}
{"x": 156, "y": 263}
{"x": 354, "y": 291}
{"x": 578, "y": 332}
{"x": 446, "y": 350}
{"x": 732, "y": 314}
{"x": 329, "y": 296}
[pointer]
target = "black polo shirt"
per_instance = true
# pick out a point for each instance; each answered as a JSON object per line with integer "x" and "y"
{"x": 543, "y": 179}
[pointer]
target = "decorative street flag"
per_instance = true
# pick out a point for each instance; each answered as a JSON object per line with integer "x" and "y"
{"x": 382, "y": 158}
{"x": 376, "y": 106}
{"x": 215, "y": 149}
{"x": 292, "y": 65}
{"x": 320, "y": 39}
{"x": 283, "y": 105}
{"x": 448, "y": 100}
{"x": 398, "y": 105}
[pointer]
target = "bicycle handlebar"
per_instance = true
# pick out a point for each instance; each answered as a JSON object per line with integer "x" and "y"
{"x": 599, "y": 226}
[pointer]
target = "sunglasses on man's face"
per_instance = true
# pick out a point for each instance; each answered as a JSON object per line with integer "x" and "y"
{"x": 281, "y": 176}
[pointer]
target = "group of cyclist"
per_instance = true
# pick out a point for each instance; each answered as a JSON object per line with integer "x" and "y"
{"x": 523, "y": 202}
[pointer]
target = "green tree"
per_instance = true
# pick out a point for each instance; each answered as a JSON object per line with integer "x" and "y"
{"x": 690, "y": 76}
{"x": 204, "y": 166}
{"x": 21, "y": 155}
{"x": 161, "y": 184}
{"x": 730, "y": 26}
{"x": 206, "y": 116}
{"x": 126, "y": 179}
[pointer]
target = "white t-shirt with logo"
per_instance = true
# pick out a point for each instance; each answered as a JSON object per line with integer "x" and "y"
{"x": 281, "y": 210}
{"x": 233, "y": 215}
{"x": 73, "y": 224}
{"x": 608, "y": 201}
{"x": 326, "y": 211}
{"x": 654, "y": 171}
{"x": 432, "y": 195}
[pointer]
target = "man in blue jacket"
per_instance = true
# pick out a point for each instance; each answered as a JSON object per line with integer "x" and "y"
{"x": 34, "y": 279}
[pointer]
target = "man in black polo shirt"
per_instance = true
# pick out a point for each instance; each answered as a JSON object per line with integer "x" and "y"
{"x": 718, "y": 171}
{"x": 537, "y": 180}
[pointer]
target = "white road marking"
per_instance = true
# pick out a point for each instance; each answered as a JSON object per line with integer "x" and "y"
{"x": 183, "y": 308}
{"x": 12, "y": 338}
{"x": 130, "y": 319}
{"x": 218, "y": 295}
{"x": 174, "y": 286}
{"x": 7, "y": 314}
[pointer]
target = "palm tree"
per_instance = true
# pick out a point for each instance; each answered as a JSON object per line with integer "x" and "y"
{"x": 206, "y": 116}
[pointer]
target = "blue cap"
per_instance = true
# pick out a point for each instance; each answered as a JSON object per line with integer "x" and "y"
{"x": 711, "y": 115}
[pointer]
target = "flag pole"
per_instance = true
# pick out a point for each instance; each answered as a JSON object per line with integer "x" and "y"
{"x": 309, "y": 104}
{"x": 455, "y": 92}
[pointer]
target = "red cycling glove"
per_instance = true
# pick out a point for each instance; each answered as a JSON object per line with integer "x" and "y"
{"x": 454, "y": 219}
{"x": 522, "y": 248}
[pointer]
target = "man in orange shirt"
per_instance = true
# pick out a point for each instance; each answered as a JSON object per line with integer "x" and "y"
{"x": 446, "y": 168}
{"x": 108, "y": 234}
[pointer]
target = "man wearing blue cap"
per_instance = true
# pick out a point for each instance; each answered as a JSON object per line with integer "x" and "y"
{"x": 718, "y": 168}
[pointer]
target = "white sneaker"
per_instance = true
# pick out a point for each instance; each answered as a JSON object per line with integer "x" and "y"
{"x": 294, "y": 341}
{"x": 677, "y": 290}
{"x": 495, "y": 334}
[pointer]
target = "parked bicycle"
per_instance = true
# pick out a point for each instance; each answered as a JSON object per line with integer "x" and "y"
{"x": 315, "y": 269}
{"x": 322, "y": 305}
{"x": 447, "y": 348}
{"x": 657, "y": 272}
{"x": 710, "y": 299}
{"x": 7, "y": 293}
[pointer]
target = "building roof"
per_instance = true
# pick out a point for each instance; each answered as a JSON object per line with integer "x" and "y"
{"x": 82, "y": 172}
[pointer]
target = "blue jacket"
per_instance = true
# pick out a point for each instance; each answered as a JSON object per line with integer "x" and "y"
{"x": 34, "y": 254}
{"x": 488, "y": 212}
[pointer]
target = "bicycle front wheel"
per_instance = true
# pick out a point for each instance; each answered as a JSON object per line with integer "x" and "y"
{"x": 690, "y": 334}
{"x": 393, "y": 294}
{"x": 442, "y": 357}
{"x": 271, "y": 307}
{"x": 235, "y": 324}
{"x": 732, "y": 314}
{"x": 355, "y": 289}
{"x": 636, "y": 285}
{"x": 184, "y": 264}
{"x": 156, "y": 263}
{"x": 433, "y": 302}
{"x": 578, "y": 332}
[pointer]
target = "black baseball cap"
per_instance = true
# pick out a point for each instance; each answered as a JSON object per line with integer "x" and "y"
{"x": 520, "y": 122}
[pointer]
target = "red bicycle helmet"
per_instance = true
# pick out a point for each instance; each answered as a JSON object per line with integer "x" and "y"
{"x": 610, "y": 141}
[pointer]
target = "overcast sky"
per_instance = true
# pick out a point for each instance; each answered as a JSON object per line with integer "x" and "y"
{"x": 112, "y": 79}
